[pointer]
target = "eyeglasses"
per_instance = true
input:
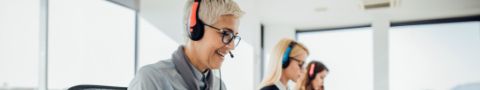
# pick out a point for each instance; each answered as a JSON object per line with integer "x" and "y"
{"x": 298, "y": 60}
{"x": 227, "y": 36}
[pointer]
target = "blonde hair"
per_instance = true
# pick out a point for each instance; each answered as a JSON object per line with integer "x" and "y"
{"x": 210, "y": 11}
{"x": 276, "y": 60}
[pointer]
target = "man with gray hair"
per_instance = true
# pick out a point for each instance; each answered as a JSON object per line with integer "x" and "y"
{"x": 212, "y": 27}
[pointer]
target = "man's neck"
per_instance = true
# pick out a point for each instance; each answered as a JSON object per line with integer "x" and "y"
{"x": 193, "y": 58}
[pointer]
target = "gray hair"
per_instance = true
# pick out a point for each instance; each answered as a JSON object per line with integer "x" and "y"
{"x": 211, "y": 10}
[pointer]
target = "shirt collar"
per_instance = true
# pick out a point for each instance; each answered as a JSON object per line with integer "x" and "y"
{"x": 280, "y": 86}
{"x": 192, "y": 77}
{"x": 198, "y": 75}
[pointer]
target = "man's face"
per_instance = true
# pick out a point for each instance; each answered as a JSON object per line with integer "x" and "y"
{"x": 212, "y": 50}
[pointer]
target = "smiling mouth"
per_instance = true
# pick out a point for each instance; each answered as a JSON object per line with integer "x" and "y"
{"x": 220, "y": 53}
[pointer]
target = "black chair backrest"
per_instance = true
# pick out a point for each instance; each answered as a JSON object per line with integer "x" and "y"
{"x": 96, "y": 87}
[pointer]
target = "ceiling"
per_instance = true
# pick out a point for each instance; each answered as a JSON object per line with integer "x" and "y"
{"x": 314, "y": 14}
{"x": 311, "y": 14}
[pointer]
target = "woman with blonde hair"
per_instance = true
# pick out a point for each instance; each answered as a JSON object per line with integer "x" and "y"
{"x": 286, "y": 63}
{"x": 314, "y": 77}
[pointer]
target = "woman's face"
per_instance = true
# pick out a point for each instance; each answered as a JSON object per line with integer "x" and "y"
{"x": 317, "y": 82}
{"x": 294, "y": 69}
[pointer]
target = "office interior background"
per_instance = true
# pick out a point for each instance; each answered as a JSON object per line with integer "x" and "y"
{"x": 367, "y": 44}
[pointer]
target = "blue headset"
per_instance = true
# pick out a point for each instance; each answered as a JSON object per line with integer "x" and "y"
{"x": 286, "y": 55}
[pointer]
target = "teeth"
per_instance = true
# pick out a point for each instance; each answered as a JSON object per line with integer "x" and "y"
{"x": 221, "y": 54}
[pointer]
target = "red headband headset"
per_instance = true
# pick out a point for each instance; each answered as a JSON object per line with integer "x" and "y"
{"x": 195, "y": 25}
{"x": 193, "y": 17}
{"x": 311, "y": 71}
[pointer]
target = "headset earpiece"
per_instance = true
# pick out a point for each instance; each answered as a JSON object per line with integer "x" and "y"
{"x": 286, "y": 55}
{"x": 196, "y": 26}
{"x": 311, "y": 72}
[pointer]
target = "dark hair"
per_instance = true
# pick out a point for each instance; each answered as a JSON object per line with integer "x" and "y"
{"x": 313, "y": 68}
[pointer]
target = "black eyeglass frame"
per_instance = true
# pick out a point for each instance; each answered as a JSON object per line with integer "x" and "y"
{"x": 226, "y": 32}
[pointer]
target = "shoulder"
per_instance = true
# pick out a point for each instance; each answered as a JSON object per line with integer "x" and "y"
{"x": 270, "y": 87}
{"x": 158, "y": 68}
{"x": 164, "y": 69}
{"x": 154, "y": 76}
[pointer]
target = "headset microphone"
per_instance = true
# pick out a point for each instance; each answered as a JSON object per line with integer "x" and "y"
{"x": 231, "y": 55}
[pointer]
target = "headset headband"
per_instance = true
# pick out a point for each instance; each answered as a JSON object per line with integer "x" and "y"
{"x": 311, "y": 71}
{"x": 286, "y": 54}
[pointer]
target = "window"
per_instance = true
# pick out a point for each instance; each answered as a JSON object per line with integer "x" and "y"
{"x": 19, "y": 44}
{"x": 90, "y": 42}
{"x": 346, "y": 52}
{"x": 435, "y": 56}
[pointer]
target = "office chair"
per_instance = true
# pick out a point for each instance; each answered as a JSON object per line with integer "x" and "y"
{"x": 96, "y": 87}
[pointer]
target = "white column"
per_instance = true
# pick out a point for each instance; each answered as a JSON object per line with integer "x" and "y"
{"x": 43, "y": 46}
{"x": 380, "y": 53}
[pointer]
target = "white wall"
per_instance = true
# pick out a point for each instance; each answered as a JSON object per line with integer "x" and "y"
{"x": 273, "y": 34}
{"x": 90, "y": 45}
{"x": 19, "y": 41}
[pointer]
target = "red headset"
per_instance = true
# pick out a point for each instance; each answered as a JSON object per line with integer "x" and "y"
{"x": 196, "y": 27}
{"x": 311, "y": 72}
